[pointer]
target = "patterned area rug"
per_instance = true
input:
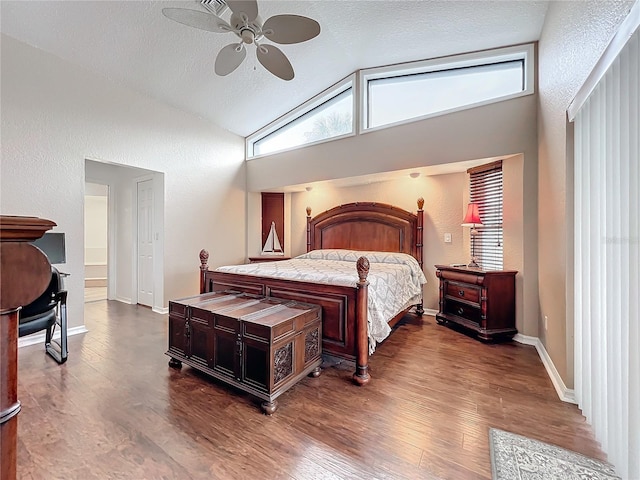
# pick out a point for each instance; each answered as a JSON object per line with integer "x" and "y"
{"x": 514, "y": 457}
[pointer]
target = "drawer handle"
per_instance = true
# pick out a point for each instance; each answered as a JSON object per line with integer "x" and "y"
{"x": 461, "y": 293}
{"x": 460, "y": 311}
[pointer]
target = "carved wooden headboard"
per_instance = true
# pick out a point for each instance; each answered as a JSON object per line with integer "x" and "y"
{"x": 367, "y": 226}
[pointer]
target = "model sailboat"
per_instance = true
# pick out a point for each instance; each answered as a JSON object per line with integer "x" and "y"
{"x": 272, "y": 245}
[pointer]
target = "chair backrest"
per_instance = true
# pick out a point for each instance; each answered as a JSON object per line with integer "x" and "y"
{"x": 47, "y": 301}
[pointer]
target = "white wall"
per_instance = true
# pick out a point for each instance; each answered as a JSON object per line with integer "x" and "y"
{"x": 55, "y": 115}
{"x": 573, "y": 37}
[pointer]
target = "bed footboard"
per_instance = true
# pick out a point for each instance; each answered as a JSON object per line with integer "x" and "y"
{"x": 345, "y": 332}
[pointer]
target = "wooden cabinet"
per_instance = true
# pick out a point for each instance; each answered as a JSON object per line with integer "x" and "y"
{"x": 25, "y": 273}
{"x": 260, "y": 345}
{"x": 483, "y": 302}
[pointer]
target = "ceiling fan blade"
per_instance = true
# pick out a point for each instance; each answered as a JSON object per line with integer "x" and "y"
{"x": 275, "y": 61}
{"x": 248, "y": 7}
{"x": 197, "y": 19}
{"x": 286, "y": 29}
{"x": 229, "y": 58}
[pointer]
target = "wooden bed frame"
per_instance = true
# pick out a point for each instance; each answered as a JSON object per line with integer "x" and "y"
{"x": 354, "y": 226}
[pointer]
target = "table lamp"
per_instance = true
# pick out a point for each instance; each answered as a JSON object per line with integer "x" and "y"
{"x": 472, "y": 219}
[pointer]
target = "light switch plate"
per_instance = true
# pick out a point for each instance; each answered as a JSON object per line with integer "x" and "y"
{"x": 447, "y": 238}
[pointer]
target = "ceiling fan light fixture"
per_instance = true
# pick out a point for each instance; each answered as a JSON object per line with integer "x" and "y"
{"x": 247, "y": 36}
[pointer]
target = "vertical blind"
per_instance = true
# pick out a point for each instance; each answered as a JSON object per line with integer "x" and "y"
{"x": 486, "y": 191}
{"x": 607, "y": 260}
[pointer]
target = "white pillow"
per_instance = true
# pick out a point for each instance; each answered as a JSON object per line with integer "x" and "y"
{"x": 353, "y": 255}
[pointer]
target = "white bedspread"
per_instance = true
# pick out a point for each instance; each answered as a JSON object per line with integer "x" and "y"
{"x": 395, "y": 280}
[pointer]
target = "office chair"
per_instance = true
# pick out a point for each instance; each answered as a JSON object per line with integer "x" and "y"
{"x": 44, "y": 313}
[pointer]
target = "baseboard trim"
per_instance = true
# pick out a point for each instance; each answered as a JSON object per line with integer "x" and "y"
{"x": 565, "y": 394}
{"x": 124, "y": 300}
{"x": 39, "y": 337}
{"x": 160, "y": 310}
{"x": 430, "y": 311}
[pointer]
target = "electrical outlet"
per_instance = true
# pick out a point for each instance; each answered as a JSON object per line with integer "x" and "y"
{"x": 447, "y": 238}
{"x": 545, "y": 322}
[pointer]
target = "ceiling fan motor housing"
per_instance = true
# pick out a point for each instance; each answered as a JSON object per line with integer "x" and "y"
{"x": 248, "y": 31}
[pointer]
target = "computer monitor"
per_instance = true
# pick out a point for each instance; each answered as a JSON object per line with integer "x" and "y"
{"x": 52, "y": 245}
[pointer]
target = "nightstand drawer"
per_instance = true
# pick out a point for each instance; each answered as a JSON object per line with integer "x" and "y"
{"x": 458, "y": 309}
{"x": 463, "y": 292}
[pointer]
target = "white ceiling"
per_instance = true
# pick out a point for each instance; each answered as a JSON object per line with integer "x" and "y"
{"x": 132, "y": 43}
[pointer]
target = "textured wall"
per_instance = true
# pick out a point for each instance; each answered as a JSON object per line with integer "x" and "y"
{"x": 55, "y": 115}
{"x": 573, "y": 37}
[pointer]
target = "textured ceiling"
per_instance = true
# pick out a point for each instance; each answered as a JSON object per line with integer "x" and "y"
{"x": 132, "y": 43}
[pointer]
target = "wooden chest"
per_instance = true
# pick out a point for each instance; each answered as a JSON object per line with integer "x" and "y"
{"x": 260, "y": 345}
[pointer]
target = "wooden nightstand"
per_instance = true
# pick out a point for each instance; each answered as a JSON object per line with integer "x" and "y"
{"x": 484, "y": 302}
{"x": 268, "y": 258}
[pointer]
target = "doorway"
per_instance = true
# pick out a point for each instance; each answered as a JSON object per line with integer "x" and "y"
{"x": 123, "y": 245}
{"x": 96, "y": 225}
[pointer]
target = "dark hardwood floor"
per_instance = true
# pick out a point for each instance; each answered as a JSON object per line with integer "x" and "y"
{"x": 116, "y": 410}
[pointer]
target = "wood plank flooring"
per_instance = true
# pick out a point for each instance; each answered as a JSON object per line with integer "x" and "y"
{"x": 116, "y": 410}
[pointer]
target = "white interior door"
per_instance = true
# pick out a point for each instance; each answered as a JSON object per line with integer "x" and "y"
{"x": 145, "y": 243}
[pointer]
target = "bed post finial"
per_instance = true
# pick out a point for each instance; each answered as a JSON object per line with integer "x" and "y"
{"x": 362, "y": 265}
{"x": 361, "y": 376}
{"x": 420, "y": 203}
{"x": 308, "y": 229}
{"x": 204, "y": 258}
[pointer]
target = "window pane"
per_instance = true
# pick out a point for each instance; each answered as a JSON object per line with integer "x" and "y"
{"x": 404, "y": 97}
{"x": 331, "y": 119}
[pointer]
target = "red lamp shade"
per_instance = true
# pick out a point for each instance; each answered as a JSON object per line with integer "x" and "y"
{"x": 472, "y": 218}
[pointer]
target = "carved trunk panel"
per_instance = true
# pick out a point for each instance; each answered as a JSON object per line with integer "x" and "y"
{"x": 283, "y": 363}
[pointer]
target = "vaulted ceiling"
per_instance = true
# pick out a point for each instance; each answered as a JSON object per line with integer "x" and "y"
{"x": 132, "y": 43}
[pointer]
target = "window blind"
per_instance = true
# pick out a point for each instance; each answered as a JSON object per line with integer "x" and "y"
{"x": 607, "y": 260}
{"x": 486, "y": 191}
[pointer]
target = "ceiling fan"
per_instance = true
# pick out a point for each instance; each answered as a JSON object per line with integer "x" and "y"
{"x": 247, "y": 25}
